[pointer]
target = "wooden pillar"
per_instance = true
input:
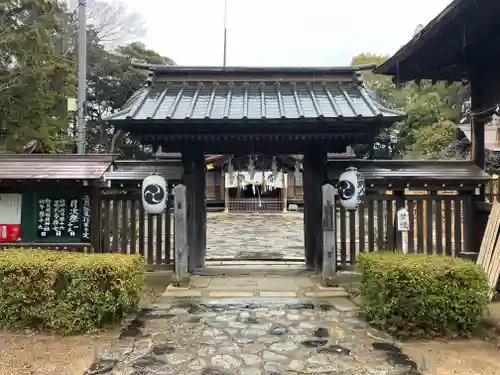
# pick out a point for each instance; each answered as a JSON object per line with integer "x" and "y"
{"x": 226, "y": 197}
{"x": 284, "y": 191}
{"x": 477, "y": 130}
{"x": 96, "y": 219}
{"x": 314, "y": 177}
{"x": 194, "y": 179}
{"x": 399, "y": 236}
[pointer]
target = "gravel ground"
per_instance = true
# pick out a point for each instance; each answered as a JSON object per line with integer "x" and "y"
{"x": 30, "y": 353}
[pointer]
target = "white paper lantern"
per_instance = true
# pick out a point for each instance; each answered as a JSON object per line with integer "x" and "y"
{"x": 351, "y": 189}
{"x": 154, "y": 194}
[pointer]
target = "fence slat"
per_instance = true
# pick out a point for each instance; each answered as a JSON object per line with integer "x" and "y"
{"x": 411, "y": 232}
{"x": 133, "y": 226}
{"x": 457, "y": 226}
{"x": 124, "y": 227}
{"x": 150, "y": 235}
{"x": 448, "y": 228}
{"x": 371, "y": 226}
{"x": 390, "y": 225}
{"x": 142, "y": 229}
{"x": 428, "y": 226}
{"x": 159, "y": 239}
{"x": 420, "y": 227}
{"x": 115, "y": 225}
{"x": 380, "y": 225}
{"x": 352, "y": 237}
{"x": 105, "y": 243}
{"x": 342, "y": 232}
{"x": 361, "y": 226}
{"x": 439, "y": 226}
{"x": 167, "y": 235}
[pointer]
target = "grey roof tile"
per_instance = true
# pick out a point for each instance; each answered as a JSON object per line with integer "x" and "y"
{"x": 253, "y": 101}
{"x": 135, "y": 170}
{"x": 54, "y": 166}
{"x": 411, "y": 170}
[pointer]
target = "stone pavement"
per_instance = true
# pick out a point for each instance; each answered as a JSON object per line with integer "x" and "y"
{"x": 253, "y": 333}
{"x": 258, "y": 285}
{"x": 255, "y": 235}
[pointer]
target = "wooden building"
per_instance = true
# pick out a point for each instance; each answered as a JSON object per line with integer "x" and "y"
{"x": 253, "y": 111}
{"x": 258, "y": 194}
{"x": 460, "y": 45}
{"x": 51, "y": 200}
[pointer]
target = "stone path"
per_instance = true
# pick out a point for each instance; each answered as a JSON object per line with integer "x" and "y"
{"x": 255, "y": 337}
{"x": 255, "y": 235}
{"x": 256, "y": 285}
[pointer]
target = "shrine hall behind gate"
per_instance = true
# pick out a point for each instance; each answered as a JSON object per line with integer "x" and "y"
{"x": 253, "y": 111}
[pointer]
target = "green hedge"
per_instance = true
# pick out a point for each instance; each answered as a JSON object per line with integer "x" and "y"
{"x": 68, "y": 293}
{"x": 410, "y": 295}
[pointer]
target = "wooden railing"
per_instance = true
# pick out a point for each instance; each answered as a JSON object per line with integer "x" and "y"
{"x": 255, "y": 204}
{"x": 127, "y": 228}
{"x": 439, "y": 224}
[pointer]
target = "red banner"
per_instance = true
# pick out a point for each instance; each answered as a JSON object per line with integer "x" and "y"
{"x": 10, "y": 232}
{"x": 10, "y": 217}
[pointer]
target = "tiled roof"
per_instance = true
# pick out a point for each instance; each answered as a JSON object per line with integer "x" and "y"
{"x": 127, "y": 170}
{"x": 237, "y": 100}
{"x": 408, "y": 171}
{"x": 54, "y": 167}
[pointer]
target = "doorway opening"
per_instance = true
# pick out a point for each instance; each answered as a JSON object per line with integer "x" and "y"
{"x": 256, "y": 225}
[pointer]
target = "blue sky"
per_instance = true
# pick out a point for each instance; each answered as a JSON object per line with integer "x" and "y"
{"x": 280, "y": 32}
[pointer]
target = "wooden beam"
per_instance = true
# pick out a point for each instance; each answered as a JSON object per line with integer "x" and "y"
{"x": 194, "y": 180}
{"x": 284, "y": 146}
{"x": 314, "y": 163}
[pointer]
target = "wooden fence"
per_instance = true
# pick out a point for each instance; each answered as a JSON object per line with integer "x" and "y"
{"x": 439, "y": 224}
{"x": 127, "y": 228}
{"x": 255, "y": 204}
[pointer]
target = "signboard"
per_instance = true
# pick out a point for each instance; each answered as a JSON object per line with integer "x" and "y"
{"x": 10, "y": 217}
{"x": 64, "y": 217}
{"x": 403, "y": 220}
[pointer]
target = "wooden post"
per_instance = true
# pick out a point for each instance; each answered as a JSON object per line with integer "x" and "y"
{"x": 314, "y": 177}
{"x": 329, "y": 267}
{"x": 477, "y": 130}
{"x": 399, "y": 237}
{"x": 96, "y": 219}
{"x": 238, "y": 190}
{"x": 222, "y": 184}
{"x": 284, "y": 191}
{"x": 494, "y": 188}
{"x": 200, "y": 209}
{"x": 181, "y": 277}
{"x": 194, "y": 179}
{"x": 226, "y": 192}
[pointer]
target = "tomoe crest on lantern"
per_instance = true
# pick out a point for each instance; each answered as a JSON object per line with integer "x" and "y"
{"x": 154, "y": 194}
{"x": 351, "y": 189}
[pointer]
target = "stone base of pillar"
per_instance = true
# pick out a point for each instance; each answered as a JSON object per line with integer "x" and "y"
{"x": 184, "y": 282}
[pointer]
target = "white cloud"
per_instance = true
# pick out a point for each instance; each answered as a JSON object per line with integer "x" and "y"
{"x": 280, "y": 32}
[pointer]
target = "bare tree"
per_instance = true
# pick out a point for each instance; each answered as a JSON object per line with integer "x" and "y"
{"x": 114, "y": 23}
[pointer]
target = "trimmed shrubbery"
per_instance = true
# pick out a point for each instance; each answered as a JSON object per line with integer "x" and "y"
{"x": 68, "y": 293}
{"x": 414, "y": 295}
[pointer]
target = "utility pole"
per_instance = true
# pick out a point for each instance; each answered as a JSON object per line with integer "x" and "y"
{"x": 225, "y": 34}
{"x": 82, "y": 74}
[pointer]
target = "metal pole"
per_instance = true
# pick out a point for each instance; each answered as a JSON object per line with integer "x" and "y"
{"x": 82, "y": 74}
{"x": 225, "y": 33}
